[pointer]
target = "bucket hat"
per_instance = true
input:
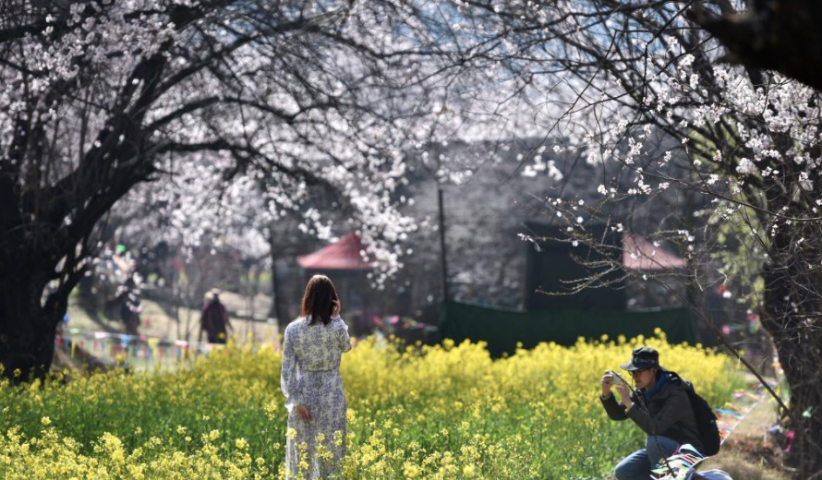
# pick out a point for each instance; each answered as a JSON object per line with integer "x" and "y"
{"x": 642, "y": 358}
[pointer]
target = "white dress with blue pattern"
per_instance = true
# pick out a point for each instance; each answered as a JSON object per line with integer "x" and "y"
{"x": 311, "y": 377}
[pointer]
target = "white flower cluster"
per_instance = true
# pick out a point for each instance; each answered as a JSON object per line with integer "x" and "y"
{"x": 540, "y": 166}
{"x": 247, "y": 140}
{"x": 728, "y": 125}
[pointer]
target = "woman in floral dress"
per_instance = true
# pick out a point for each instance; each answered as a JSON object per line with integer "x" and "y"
{"x": 310, "y": 380}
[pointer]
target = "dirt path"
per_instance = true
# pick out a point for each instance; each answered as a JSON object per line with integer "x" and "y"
{"x": 749, "y": 452}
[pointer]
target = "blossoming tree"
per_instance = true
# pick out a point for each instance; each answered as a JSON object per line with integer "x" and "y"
{"x": 293, "y": 98}
{"x": 611, "y": 74}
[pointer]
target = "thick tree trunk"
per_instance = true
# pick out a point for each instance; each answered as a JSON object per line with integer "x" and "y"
{"x": 802, "y": 363}
{"x": 27, "y": 329}
{"x": 789, "y": 315}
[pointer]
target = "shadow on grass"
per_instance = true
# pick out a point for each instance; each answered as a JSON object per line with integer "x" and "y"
{"x": 94, "y": 314}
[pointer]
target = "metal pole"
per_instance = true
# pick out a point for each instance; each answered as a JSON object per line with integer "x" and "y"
{"x": 443, "y": 262}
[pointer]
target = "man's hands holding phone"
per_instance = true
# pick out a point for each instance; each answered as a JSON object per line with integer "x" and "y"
{"x": 609, "y": 380}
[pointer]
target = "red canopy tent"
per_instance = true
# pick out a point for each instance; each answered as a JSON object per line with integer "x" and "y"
{"x": 342, "y": 255}
{"x": 640, "y": 254}
{"x": 350, "y": 275}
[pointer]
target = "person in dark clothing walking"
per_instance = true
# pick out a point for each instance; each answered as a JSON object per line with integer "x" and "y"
{"x": 214, "y": 320}
{"x": 659, "y": 405}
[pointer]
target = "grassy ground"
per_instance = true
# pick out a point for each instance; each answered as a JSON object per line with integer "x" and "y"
{"x": 749, "y": 453}
{"x": 158, "y": 320}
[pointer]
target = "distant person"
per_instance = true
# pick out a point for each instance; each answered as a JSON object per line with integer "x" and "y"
{"x": 130, "y": 306}
{"x": 214, "y": 320}
{"x": 310, "y": 380}
{"x": 159, "y": 264}
{"x": 659, "y": 405}
{"x": 154, "y": 261}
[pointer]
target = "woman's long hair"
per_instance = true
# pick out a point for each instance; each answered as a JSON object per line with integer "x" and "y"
{"x": 319, "y": 299}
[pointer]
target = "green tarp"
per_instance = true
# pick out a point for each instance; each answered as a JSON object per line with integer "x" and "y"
{"x": 502, "y": 329}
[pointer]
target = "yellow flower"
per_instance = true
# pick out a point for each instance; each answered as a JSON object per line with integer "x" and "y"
{"x": 410, "y": 470}
{"x": 438, "y": 412}
{"x": 271, "y": 410}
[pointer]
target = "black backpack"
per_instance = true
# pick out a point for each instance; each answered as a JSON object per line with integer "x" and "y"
{"x": 705, "y": 419}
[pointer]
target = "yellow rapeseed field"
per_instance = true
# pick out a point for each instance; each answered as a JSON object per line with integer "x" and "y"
{"x": 443, "y": 412}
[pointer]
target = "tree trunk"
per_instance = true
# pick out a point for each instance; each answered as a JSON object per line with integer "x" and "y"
{"x": 277, "y": 305}
{"x": 27, "y": 329}
{"x": 789, "y": 316}
{"x": 781, "y": 36}
{"x": 278, "y": 309}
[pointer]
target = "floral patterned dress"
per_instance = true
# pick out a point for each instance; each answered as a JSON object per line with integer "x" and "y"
{"x": 311, "y": 377}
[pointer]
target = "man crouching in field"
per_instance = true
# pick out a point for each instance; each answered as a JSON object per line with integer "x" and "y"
{"x": 659, "y": 405}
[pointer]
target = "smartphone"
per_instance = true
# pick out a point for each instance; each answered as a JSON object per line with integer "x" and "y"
{"x": 616, "y": 379}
